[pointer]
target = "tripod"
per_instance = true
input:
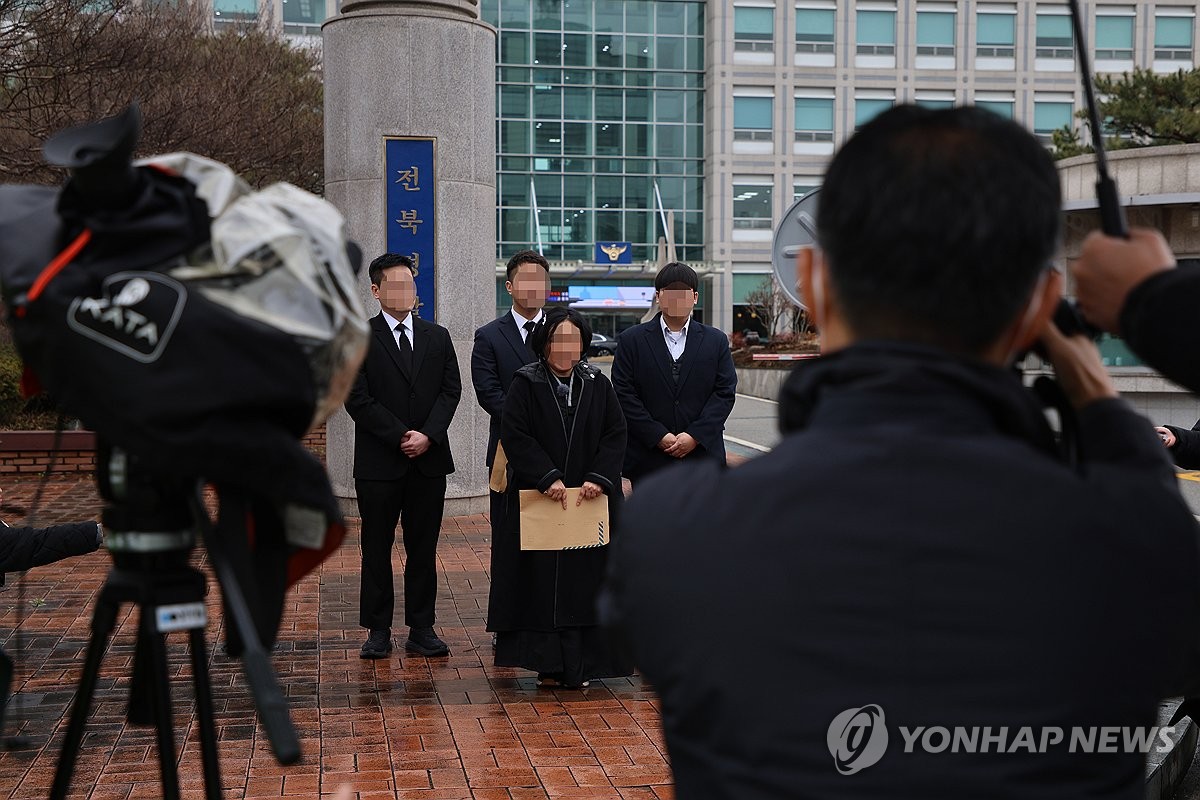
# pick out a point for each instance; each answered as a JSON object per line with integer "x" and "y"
{"x": 169, "y": 595}
{"x": 153, "y": 520}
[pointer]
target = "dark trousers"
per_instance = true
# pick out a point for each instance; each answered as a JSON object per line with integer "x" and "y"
{"x": 416, "y": 502}
{"x": 496, "y": 517}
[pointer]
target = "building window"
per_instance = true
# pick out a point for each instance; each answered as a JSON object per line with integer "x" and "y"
{"x": 999, "y": 104}
{"x": 1173, "y": 37}
{"x": 753, "y": 29}
{"x": 1114, "y": 35}
{"x": 303, "y": 12}
{"x": 752, "y": 119}
{"x": 234, "y": 11}
{"x": 1054, "y": 37}
{"x": 752, "y": 209}
{"x": 814, "y": 119}
{"x": 876, "y": 33}
{"x": 801, "y": 186}
{"x": 1051, "y": 114}
{"x": 614, "y": 104}
{"x": 996, "y": 33}
{"x": 303, "y": 17}
{"x": 935, "y": 100}
{"x": 935, "y": 32}
{"x": 814, "y": 30}
{"x": 867, "y": 108}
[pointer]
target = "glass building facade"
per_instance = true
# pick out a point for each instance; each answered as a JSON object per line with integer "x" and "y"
{"x": 597, "y": 102}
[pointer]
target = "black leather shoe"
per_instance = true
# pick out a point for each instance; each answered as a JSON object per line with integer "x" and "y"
{"x": 378, "y": 644}
{"x": 425, "y": 642}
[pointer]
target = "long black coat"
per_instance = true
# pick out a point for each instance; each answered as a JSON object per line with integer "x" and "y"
{"x": 547, "y": 590}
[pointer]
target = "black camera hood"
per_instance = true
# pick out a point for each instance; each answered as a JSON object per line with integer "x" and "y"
{"x": 100, "y": 157}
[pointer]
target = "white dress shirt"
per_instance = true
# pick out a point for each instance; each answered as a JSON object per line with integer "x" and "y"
{"x": 406, "y": 327}
{"x": 676, "y": 342}
{"x": 521, "y": 322}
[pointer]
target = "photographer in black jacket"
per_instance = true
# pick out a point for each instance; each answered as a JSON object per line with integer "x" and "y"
{"x": 26, "y": 548}
{"x": 916, "y": 555}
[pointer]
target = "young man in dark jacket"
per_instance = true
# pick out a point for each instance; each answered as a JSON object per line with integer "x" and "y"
{"x": 926, "y": 598}
{"x": 675, "y": 379}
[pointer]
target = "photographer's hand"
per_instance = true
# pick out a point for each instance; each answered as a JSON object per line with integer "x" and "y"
{"x": 1108, "y": 268}
{"x": 1077, "y": 364}
{"x": 414, "y": 444}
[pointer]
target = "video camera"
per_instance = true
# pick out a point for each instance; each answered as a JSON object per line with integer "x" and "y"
{"x": 200, "y": 329}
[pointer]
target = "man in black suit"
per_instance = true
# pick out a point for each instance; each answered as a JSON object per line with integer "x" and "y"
{"x": 501, "y": 348}
{"x": 402, "y": 404}
{"x": 675, "y": 379}
{"x": 501, "y": 345}
{"x": 918, "y": 553}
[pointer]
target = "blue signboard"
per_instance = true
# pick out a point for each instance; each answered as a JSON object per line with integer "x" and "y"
{"x": 614, "y": 253}
{"x": 409, "y": 205}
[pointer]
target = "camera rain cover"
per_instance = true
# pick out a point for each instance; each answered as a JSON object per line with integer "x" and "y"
{"x": 203, "y": 327}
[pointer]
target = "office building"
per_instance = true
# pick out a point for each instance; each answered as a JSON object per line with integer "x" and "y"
{"x": 732, "y": 108}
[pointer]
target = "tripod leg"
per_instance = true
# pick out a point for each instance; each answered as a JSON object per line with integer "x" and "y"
{"x": 204, "y": 716}
{"x": 103, "y": 620}
{"x": 162, "y": 705}
{"x": 140, "y": 710}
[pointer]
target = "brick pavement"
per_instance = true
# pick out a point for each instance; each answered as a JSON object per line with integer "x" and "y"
{"x": 405, "y": 727}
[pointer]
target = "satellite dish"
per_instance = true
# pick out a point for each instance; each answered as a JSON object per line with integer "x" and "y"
{"x": 797, "y": 229}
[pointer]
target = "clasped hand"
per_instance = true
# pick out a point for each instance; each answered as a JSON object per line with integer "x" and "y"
{"x": 677, "y": 445}
{"x": 414, "y": 443}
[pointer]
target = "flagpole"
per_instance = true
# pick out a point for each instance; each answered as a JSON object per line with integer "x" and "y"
{"x": 537, "y": 223}
{"x": 662, "y": 214}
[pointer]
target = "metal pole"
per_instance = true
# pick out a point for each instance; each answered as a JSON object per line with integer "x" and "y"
{"x": 662, "y": 213}
{"x": 1112, "y": 216}
{"x": 537, "y": 223}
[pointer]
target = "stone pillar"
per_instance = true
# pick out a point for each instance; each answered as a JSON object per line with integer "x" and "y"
{"x": 421, "y": 69}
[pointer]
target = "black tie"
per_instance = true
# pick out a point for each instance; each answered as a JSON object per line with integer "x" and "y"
{"x": 406, "y": 353}
{"x": 529, "y": 325}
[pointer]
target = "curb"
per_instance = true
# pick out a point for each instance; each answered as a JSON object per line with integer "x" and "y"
{"x": 1166, "y": 770}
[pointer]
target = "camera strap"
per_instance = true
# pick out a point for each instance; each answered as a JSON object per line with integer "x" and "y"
{"x": 51, "y": 270}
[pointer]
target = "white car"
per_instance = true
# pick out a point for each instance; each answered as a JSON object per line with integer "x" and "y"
{"x": 602, "y": 345}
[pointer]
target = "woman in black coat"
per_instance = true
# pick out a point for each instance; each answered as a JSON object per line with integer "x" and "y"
{"x": 562, "y": 427}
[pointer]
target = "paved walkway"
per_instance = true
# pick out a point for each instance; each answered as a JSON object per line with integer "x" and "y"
{"x": 405, "y": 727}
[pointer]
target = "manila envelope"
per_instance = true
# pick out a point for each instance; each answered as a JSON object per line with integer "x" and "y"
{"x": 545, "y": 525}
{"x": 498, "y": 480}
